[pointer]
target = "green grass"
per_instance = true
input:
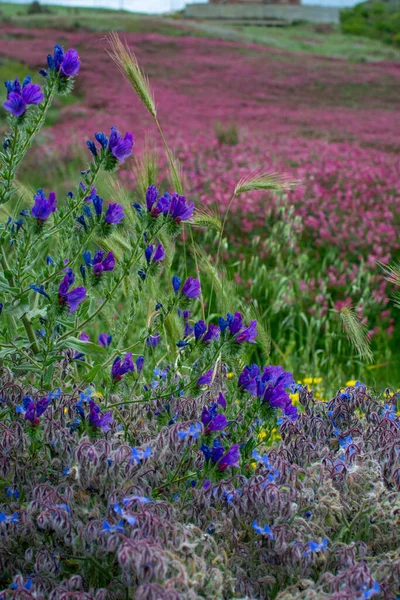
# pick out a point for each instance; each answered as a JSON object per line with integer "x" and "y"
{"x": 301, "y": 38}
{"x": 304, "y": 38}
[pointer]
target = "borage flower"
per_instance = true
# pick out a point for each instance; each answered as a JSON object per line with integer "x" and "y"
{"x": 19, "y": 97}
{"x": 43, "y": 206}
{"x": 119, "y": 367}
{"x": 72, "y": 298}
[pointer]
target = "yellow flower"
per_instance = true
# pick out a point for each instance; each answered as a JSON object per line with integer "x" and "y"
{"x": 262, "y": 434}
{"x": 312, "y": 380}
{"x": 351, "y": 383}
{"x": 294, "y": 398}
{"x": 253, "y": 464}
{"x": 231, "y": 375}
{"x": 65, "y": 410}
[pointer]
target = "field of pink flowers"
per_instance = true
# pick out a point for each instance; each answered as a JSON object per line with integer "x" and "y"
{"x": 333, "y": 124}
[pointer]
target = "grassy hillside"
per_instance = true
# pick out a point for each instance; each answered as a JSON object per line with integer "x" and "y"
{"x": 302, "y": 38}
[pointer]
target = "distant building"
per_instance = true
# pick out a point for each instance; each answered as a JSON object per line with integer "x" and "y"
{"x": 255, "y": 2}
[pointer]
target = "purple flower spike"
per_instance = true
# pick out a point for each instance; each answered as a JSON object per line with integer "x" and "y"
{"x": 120, "y": 148}
{"x": 19, "y": 97}
{"x": 114, "y": 214}
{"x": 151, "y": 197}
{"x": 179, "y": 210}
{"x": 96, "y": 419}
{"x": 73, "y": 298}
{"x": 248, "y": 334}
{"x": 191, "y": 288}
{"x": 213, "y": 333}
{"x": 70, "y": 63}
{"x": 234, "y": 323}
{"x": 15, "y": 104}
{"x": 43, "y": 206}
{"x": 67, "y": 63}
{"x": 100, "y": 264}
{"x": 217, "y": 424}
{"x": 221, "y": 400}
{"x": 105, "y": 340}
{"x": 159, "y": 253}
{"x": 153, "y": 340}
{"x": 206, "y": 378}
{"x": 230, "y": 459}
{"x": 119, "y": 367}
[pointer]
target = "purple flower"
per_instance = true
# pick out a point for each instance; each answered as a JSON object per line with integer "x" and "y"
{"x": 84, "y": 337}
{"x": 266, "y": 530}
{"x": 221, "y": 400}
{"x": 114, "y": 214}
{"x": 151, "y": 197}
{"x": 234, "y": 323}
{"x": 179, "y": 209}
{"x": 119, "y": 367}
{"x": 277, "y": 375}
{"x": 35, "y": 411}
{"x": 100, "y": 264}
{"x": 43, "y": 206}
{"x": 218, "y": 423}
{"x": 176, "y": 283}
{"x": 19, "y": 97}
{"x": 191, "y": 288}
{"x": 98, "y": 204}
{"x": 206, "y": 378}
{"x": 213, "y": 333}
{"x": 66, "y": 63}
{"x": 72, "y": 298}
{"x": 139, "y": 363}
{"x": 105, "y": 340}
{"x": 230, "y": 459}
{"x": 120, "y": 148}
{"x": 199, "y": 329}
{"x": 248, "y": 379}
{"x": 96, "y": 419}
{"x": 70, "y": 63}
{"x": 248, "y": 334}
{"x": 153, "y": 340}
{"x": 159, "y": 253}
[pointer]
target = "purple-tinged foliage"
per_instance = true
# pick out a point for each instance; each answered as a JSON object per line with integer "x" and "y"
{"x": 137, "y": 503}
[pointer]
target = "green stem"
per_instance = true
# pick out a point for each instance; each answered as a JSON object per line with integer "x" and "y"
{"x": 80, "y": 196}
{"x": 11, "y": 167}
{"x": 18, "y": 153}
{"x": 27, "y": 324}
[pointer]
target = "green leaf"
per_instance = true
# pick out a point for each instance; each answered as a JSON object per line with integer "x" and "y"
{"x": 88, "y": 348}
{"x": 91, "y": 375}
